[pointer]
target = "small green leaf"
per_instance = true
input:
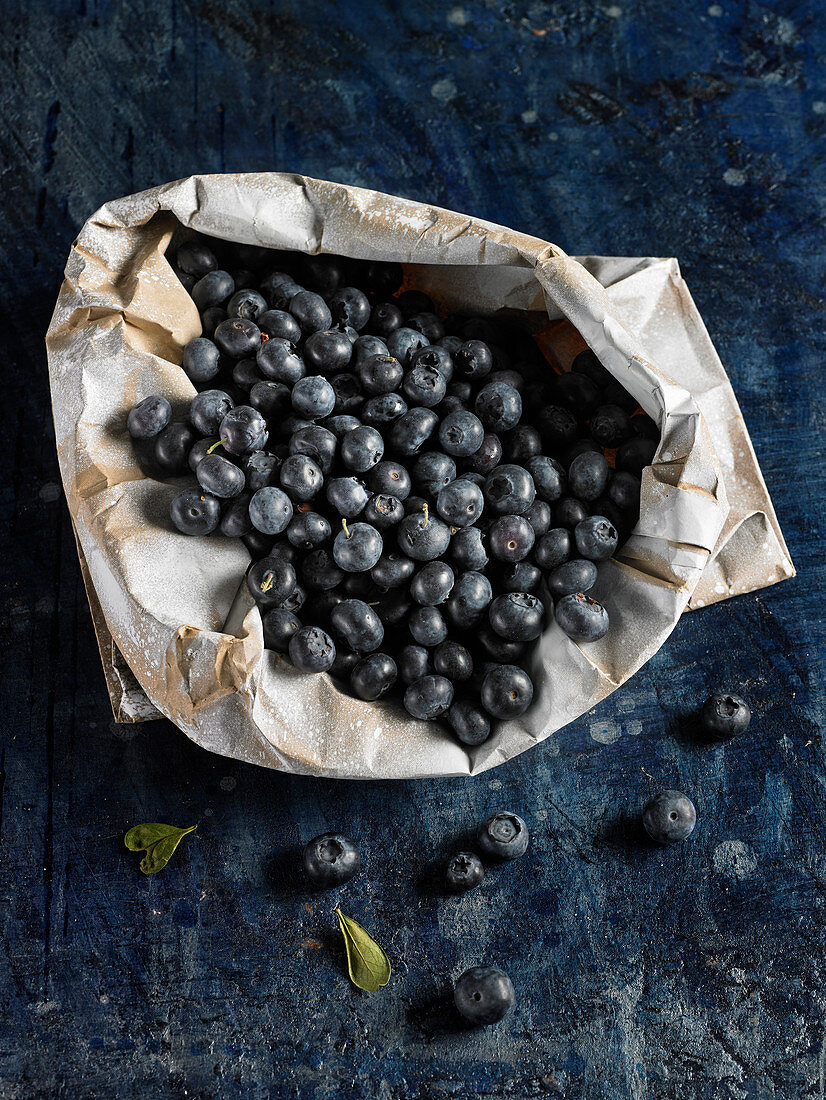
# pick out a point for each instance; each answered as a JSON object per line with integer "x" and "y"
{"x": 368, "y": 965}
{"x": 158, "y": 841}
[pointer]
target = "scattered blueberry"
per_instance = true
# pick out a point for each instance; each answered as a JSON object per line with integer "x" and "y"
{"x": 330, "y": 860}
{"x": 669, "y": 817}
{"x": 484, "y": 995}
{"x": 464, "y": 872}
{"x": 503, "y": 836}
{"x": 725, "y": 715}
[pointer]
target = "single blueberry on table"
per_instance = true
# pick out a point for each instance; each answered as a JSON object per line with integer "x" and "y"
{"x": 330, "y": 860}
{"x": 429, "y": 698}
{"x": 149, "y": 417}
{"x": 357, "y": 547}
{"x": 219, "y": 476}
{"x": 596, "y": 538}
{"x": 373, "y": 676}
{"x": 582, "y": 619}
{"x": 484, "y": 995}
{"x": 503, "y": 836}
{"x": 279, "y": 626}
{"x": 312, "y": 650}
{"x": 669, "y": 817}
{"x": 201, "y": 359}
{"x": 464, "y": 872}
{"x": 357, "y": 625}
{"x": 725, "y": 715}
{"x": 469, "y": 722}
{"x": 507, "y": 691}
{"x": 195, "y": 513}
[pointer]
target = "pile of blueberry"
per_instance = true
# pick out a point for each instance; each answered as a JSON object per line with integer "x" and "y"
{"x": 419, "y": 494}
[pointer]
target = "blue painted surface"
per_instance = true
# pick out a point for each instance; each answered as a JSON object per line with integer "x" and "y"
{"x": 620, "y": 129}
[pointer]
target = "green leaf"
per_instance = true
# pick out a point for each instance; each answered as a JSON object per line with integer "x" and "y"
{"x": 368, "y": 965}
{"x": 158, "y": 841}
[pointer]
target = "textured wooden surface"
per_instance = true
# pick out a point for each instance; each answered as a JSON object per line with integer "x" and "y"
{"x": 644, "y": 129}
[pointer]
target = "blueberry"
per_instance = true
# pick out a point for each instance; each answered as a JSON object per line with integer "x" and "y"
{"x": 313, "y": 397}
{"x": 451, "y": 344}
{"x": 548, "y": 477}
{"x": 588, "y": 364}
{"x": 271, "y": 581}
{"x": 385, "y": 318}
{"x": 257, "y": 544}
{"x": 624, "y": 492}
{"x": 149, "y": 417}
{"x": 340, "y": 424}
{"x": 318, "y": 443}
{"x": 423, "y": 537}
{"x": 581, "y": 447}
{"x": 432, "y": 471}
{"x": 473, "y": 360}
{"x": 469, "y": 722}
{"x": 211, "y": 319}
{"x": 433, "y": 583}
{"x": 557, "y": 426}
{"x": 511, "y": 538}
{"x": 357, "y": 625}
{"x": 553, "y": 548}
{"x": 412, "y": 430}
{"x": 235, "y": 517}
{"x": 488, "y": 457}
{"x": 383, "y": 409}
{"x": 344, "y": 664}
{"x": 570, "y": 512}
{"x": 453, "y": 661}
{"x": 308, "y": 530}
{"x": 438, "y": 358}
{"x": 462, "y": 390}
{"x": 270, "y": 510}
{"x": 347, "y": 495}
{"x": 498, "y": 406}
{"x": 383, "y": 511}
{"x": 311, "y": 311}
{"x": 172, "y": 447}
{"x": 411, "y": 302}
{"x": 469, "y": 600}
{"x": 497, "y": 649}
{"x": 503, "y": 836}
{"x": 243, "y": 430}
{"x": 358, "y": 548}
{"x": 635, "y": 454}
{"x": 328, "y": 351}
{"x": 572, "y": 577}
{"x": 577, "y": 392}
{"x": 460, "y": 503}
{"x": 220, "y": 477}
{"x": 237, "y": 337}
{"x": 330, "y": 860}
{"x": 245, "y": 374}
{"x": 380, "y": 374}
{"x": 350, "y": 306}
{"x": 260, "y": 469}
{"x": 669, "y": 817}
{"x": 212, "y": 289}
{"x": 467, "y": 549}
{"x": 539, "y": 517}
{"x": 582, "y": 619}
{"x": 588, "y": 475}
{"x": 312, "y": 650}
{"x": 484, "y": 995}
{"x": 279, "y": 626}
{"x": 323, "y": 273}
{"x": 300, "y": 477}
{"x": 366, "y": 347}
{"x": 428, "y": 324}
{"x": 373, "y": 676}
{"x": 279, "y": 289}
{"x": 319, "y": 571}
{"x": 195, "y": 258}
{"x": 195, "y": 513}
{"x": 520, "y": 576}
{"x": 517, "y": 616}
{"x": 277, "y": 360}
{"x": 403, "y": 342}
{"x": 724, "y": 716}
{"x": 362, "y": 449}
{"x": 391, "y": 479}
{"x": 271, "y": 399}
{"x": 414, "y": 663}
{"x": 596, "y": 538}
{"x": 429, "y": 698}
{"x": 201, "y": 359}
{"x": 279, "y": 323}
{"x": 610, "y": 425}
{"x": 248, "y": 304}
{"x": 392, "y": 570}
{"x": 523, "y": 443}
{"x": 461, "y": 433}
{"x": 296, "y": 599}
{"x": 509, "y": 490}
{"x": 427, "y": 626}
{"x": 424, "y": 386}
{"x": 464, "y": 870}
{"x": 506, "y": 692}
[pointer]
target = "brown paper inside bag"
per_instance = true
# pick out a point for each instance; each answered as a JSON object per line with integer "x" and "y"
{"x": 161, "y": 599}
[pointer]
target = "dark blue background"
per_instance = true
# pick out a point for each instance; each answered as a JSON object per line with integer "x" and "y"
{"x": 639, "y": 128}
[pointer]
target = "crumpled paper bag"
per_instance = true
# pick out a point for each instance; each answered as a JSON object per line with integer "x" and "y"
{"x": 170, "y": 606}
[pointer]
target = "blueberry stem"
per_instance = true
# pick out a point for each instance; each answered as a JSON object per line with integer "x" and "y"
{"x": 220, "y": 443}
{"x": 346, "y": 532}
{"x": 266, "y": 584}
{"x": 426, "y": 511}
